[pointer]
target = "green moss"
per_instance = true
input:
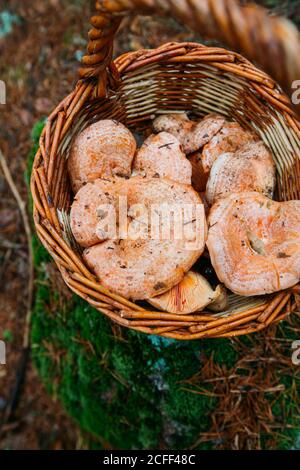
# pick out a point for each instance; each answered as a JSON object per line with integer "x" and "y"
{"x": 222, "y": 350}
{"x": 8, "y": 336}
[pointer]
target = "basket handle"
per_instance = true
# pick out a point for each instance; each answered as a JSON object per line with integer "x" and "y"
{"x": 272, "y": 41}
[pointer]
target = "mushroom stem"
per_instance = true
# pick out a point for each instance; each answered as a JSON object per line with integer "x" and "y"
{"x": 192, "y": 294}
{"x": 221, "y": 301}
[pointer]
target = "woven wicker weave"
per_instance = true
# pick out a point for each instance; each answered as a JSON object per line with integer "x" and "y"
{"x": 141, "y": 85}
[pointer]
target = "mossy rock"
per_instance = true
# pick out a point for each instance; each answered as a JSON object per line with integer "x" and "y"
{"x": 124, "y": 389}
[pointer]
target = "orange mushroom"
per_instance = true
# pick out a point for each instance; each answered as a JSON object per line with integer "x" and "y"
{"x": 105, "y": 148}
{"x": 249, "y": 169}
{"x": 231, "y": 138}
{"x": 192, "y": 294}
{"x": 192, "y": 135}
{"x": 145, "y": 262}
{"x": 95, "y": 204}
{"x": 161, "y": 156}
{"x": 254, "y": 243}
{"x": 176, "y": 124}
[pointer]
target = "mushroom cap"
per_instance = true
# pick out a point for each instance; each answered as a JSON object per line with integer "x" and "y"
{"x": 146, "y": 263}
{"x": 192, "y": 294}
{"x": 161, "y": 156}
{"x": 254, "y": 243}
{"x": 91, "y": 209}
{"x": 250, "y": 169}
{"x": 105, "y": 148}
{"x": 229, "y": 139}
{"x": 176, "y": 124}
{"x": 192, "y": 135}
{"x": 202, "y": 132}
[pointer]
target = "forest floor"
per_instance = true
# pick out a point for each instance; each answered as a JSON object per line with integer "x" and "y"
{"x": 40, "y": 45}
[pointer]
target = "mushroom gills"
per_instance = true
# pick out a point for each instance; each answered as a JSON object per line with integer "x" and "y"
{"x": 192, "y": 294}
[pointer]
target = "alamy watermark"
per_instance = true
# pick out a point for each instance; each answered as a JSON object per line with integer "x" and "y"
{"x": 2, "y": 353}
{"x": 296, "y": 353}
{"x": 2, "y": 92}
{"x": 174, "y": 222}
{"x": 296, "y": 94}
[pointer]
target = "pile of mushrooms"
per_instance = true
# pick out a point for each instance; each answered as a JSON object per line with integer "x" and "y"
{"x": 253, "y": 242}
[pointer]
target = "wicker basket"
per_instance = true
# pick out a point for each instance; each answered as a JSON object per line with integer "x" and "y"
{"x": 187, "y": 76}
